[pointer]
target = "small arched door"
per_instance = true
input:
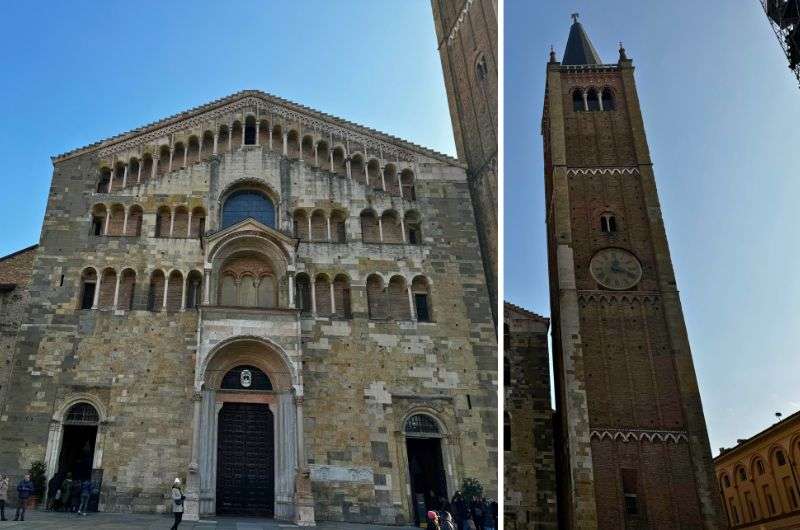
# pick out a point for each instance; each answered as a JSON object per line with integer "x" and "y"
{"x": 78, "y": 442}
{"x": 245, "y": 448}
{"x": 425, "y": 465}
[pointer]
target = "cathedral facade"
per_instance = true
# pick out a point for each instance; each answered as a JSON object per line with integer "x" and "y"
{"x": 284, "y": 308}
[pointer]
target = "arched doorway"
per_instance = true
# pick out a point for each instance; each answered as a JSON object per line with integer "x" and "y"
{"x": 78, "y": 441}
{"x": 245, "y": 446}
{"x": 425, "y": 465}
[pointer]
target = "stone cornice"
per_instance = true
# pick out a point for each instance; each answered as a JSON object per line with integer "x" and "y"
{"x": 595, "y": 295}
{"x": 602, "y": 171}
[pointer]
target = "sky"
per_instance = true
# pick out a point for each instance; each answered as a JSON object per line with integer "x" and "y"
{"x": 721, "y": 110}
{"x": 81, "y": 71}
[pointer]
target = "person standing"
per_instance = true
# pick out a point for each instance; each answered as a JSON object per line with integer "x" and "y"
{"x": 459, "y": 510}
{"x": 86, "y": 492}
{"x": 177, "y": 502}
{"x": 66, "y": 492}
{"x": 24, "y": 492}
{"x": 3, "y": 496}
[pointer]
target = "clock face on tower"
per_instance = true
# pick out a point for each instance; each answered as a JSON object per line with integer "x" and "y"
{"x": 615, "y": 268}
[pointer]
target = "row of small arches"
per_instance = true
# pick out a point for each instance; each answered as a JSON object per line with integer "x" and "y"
{"x": 119, "y": 220}
{"x": 389, "y": 227}
{"x": 327, "y": 295}
{"x": 316, "y": 152}
{"x": 108, "y": 290}
{"x": 593, "y": 100}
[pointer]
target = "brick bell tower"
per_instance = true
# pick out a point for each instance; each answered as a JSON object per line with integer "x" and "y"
{"x": 632, "y": 446}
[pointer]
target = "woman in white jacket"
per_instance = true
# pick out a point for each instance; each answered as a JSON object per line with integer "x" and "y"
{"x": 177, "y": 502}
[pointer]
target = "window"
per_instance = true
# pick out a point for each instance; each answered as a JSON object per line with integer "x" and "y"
{"x": 742, "y": 474}
{"x": 759, "y": 467}
{"x": 608, "y": 223}
{"x": 370, "y": 231}
{"x": 421, "y": 424}
{"x": 81, "y": 414}
{"x": 407, "y": 185}
{"x": 790, "y": 493}
{"x": 734, "y": 511}
{"x": 97, "y": 225}
{"x": 481, "y": 68}
{"x": 246, "y": 378}
{"x": 770, "y": 501}
{"x": 780, "y": 458}
{"x": 421, "y": 290}
{"x": 630, "y": 491}
{"x": 375, "y": 295}
{"x": 194, "y": 284}
{"x": 341, "y": 296}
{"x": 250, "y": 131}
{"x": 726, "y": 481}
{"x": 338, "y": 233}
{"x": 88, "y": 286}
{"x": 246, "y": 204}
{"x": 506, "y": 432}
{"x": 751, "y": 508}
{"x": 105, "y": 179}
{"x": 578, "y": 104}
{"x": 303, "y": 293}
{"x": 608, "y": 100}
{"x": 413, "y": 231}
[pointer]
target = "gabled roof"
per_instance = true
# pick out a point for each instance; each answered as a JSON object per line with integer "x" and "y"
{"x": 579, "y": 50}
{"x": 268, "y": 99}
{"x": 524, "y": 312}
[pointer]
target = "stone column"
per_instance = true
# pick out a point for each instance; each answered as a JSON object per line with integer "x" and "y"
{"x": 154, "y": 168}
{"x": 111, "y": 177}
{"x": 366, "y": 170}
{"x": 585, "y": 101}
{"x": 125, "y": 175}
{"x": 316, "y": 155}
{"x": 186, "y": 154}
{"x": 171, "y": 221}
{"x": 230, "y": 137}
{"x": 125, "y": 222}
{"x": 285, "y": 143}
{"x": 108, "y": 221}
{"x": 258, "y": 131}
{"x": 244, "y": 126}
{"x": 382, "y": 169}
{"x": 380, "y": 229}
{"x": 171, "y": 153}
{"x": 183, "y": 293}
{"x": 139, "y": 172}
{"x": 349, "y": 172}
{"x": 291, "y": 290}
{"x": 333, "y": 300}
{"x": 166, "y": 287}
{"x": 412, "y": 309}
{"x": 328, "y": 222}
{"x": 270, "y": 135}
{"x": 207, "y": 285}
{"x": 304, "y": 498}
{"x": 96, "y": 299}
{"x": 192, "y": 503}
{"x": 116, "y": 291}
{"x": 402, "y": 227}
{"x": 216, "y": 142}
{"x": 310, "y": 235}
{"x": 314, "y": 297}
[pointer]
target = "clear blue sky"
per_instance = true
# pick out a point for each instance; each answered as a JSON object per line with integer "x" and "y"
{"x": 721, "y": 112}
{"x": 77, "y": 72}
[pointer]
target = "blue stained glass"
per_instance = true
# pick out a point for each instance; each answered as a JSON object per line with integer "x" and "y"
{"x": 244, "y": 204}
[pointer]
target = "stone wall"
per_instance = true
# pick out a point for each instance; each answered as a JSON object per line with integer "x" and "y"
{"x": 15, "y": 271}
{"x": 530, "y": 481}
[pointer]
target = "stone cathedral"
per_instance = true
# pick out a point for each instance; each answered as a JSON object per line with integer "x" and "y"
{"x": 631, "y": 444}
{"x": 284, "y": 308}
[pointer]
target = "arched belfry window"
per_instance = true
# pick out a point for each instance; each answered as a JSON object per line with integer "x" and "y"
{"x": 578, "y": 104}
{"x": 244, "y": 204}
{"x": 421, "y": 425}
{"x": 82, "y": 414}
{"x": 608, "y": 99}
{"x": 246, "y": 377}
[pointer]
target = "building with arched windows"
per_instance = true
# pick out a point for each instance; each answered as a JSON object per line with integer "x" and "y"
{"x": 253, "y": 277}
{"x": 759, "y": 478}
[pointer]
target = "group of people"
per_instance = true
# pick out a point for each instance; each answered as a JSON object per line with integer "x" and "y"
{"x": 70, "y": 495}
{"x": 461, "y": 514}
{"x": 24, "y": 492}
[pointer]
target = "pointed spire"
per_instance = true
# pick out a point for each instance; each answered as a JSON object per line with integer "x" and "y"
{"x": 579, "y": 48}
{"x": 552, "y": 55}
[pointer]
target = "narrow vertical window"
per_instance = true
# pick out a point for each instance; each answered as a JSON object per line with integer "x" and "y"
{"x": 630, "y": 491}
{"x": 593, "y": 100}
{"x": 608, "y": 100}
{"x": 608, "y": 223}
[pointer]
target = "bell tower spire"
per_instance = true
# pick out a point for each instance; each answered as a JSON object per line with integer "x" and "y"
{"x": 579, "y": 48}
